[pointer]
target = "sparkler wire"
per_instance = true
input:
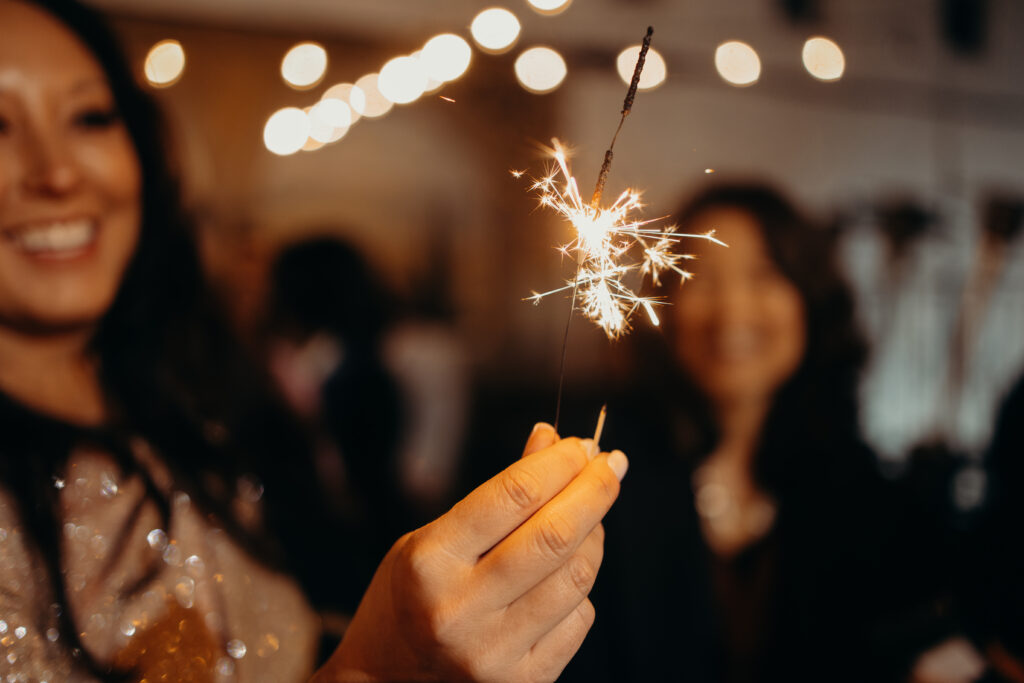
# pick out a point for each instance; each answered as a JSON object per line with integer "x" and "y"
{"x": 627, "y": 106}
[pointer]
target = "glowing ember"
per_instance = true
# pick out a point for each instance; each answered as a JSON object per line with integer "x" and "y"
{"x": 609, "y": 245}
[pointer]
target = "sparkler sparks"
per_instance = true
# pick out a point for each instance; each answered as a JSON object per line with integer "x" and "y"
{"x": 609, "y": 245}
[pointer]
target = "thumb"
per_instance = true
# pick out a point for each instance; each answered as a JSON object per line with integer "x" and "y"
{"x": 542, "y": 436}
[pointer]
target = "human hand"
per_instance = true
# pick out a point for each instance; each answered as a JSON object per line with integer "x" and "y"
{"x": 495, "y": 589}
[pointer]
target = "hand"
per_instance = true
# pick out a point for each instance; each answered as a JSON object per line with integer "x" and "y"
{"x": 495, "y": 589}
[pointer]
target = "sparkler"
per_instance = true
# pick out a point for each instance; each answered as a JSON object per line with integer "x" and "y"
{"x": 609, "y": 243}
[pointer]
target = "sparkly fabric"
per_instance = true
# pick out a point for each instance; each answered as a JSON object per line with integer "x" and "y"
{"x": 184, "y": 603}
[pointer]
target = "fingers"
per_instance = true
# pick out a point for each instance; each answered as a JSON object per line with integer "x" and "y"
{"x": 553, "y": 651}
{"x": 499, "y": 505}
{"x": 542, "y": 436}
{"x": 553, "y": 599}
{"x": 543, "y": 544}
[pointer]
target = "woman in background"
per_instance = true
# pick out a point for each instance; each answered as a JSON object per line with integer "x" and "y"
{"x": 133, "y": 540}
{"x": 754, "y": 498}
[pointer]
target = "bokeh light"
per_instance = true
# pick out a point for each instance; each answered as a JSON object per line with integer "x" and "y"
{"x": 350, "y": 95}
{"x": 495, "y": 30}
{"x": 823, "y": 59}
{"x": 286, "y": 131}
{"x": 446, "y": 57}
{"x": 304, "y": 65}
{"x": 550, "y": 7}
{"x": 402, "y": 80}
{"x": 654, "y": 72}
{"x": 737, "y": 63}
{"x": 540, "y": 70}
{"x": 165, "y": 63}
{"x": 329, "y": 120}
{"x": 373, "y": 103}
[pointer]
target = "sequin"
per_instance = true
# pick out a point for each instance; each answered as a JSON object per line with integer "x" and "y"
{"x": 128, "y": 628}
{"x": 108, "y": 487}
{"x": 225, "y": 667}
{"x": 3, "y": 626}
{"x": 52, "y": 635}
{"x": 157, "y": 539}
{"x": 236, "y": 648}
{"x": 3, "y": 535}
{"x": 20, "y": 632}
{"x": 58, "y": 483}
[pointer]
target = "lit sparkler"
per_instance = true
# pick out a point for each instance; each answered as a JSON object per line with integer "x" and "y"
{"x": 610, "y": 244}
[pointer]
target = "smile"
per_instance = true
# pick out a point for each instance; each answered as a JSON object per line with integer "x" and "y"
{"x": 57, "y": 239}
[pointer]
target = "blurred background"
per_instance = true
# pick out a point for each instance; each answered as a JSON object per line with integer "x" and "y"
{"x": 899, "y": 125}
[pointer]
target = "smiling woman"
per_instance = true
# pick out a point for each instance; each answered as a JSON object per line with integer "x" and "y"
{"x": 137, "y": 541}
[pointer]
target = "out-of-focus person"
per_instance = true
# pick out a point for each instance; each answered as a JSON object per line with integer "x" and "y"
{"x": 754, "y": 498}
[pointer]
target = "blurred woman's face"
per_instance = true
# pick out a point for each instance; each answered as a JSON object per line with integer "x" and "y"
{"x": 740, "y": 323}
{"x": 69, "y": 178}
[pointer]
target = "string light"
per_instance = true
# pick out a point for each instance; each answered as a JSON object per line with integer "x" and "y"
{"x": 286, "y": 131}
{"x": 164, "y": 63}
{"x": 304, "y": 65}
{"x": 549, "y": 7}
{"x": 540, "y": 70}
{"x": 737, "y": 63}
{"x": 823, "y": 59}
{"x": 495, "y": 30}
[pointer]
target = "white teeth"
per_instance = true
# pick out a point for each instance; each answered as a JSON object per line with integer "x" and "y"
{"x": 66, "y": 236}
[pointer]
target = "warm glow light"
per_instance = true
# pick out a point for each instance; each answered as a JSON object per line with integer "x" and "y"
{"x": 540, "y": 70}
{"x": 737, "y": 63}
{"x": 654, "y": 72}
{"x": 304, "y": 65}
{"x": 402, "y": 80}
{"x": 373, "y": 103}
{"x": 823, "y": 59}
{"x": 495, "y": 30}
{"x": 446, "y": 57}
{"x": 165, "y": 63}
{"x": 550, "y": 6}
{"x": 329, "y": 120}
{"x": 286, "y": 131}
{"x": 350, "y": 95}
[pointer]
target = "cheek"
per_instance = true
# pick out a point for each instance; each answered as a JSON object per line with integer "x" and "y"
{"x": 786, "y": 312}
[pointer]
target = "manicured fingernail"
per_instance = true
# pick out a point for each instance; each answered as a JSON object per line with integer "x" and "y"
{"x": 590, "y": 448}
{"x": 618, "y": 463}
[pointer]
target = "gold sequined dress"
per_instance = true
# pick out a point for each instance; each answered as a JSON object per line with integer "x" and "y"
{"x": 162, "y": 597}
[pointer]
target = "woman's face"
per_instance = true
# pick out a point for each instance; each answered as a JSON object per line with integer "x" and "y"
{"x": 740, "y": 323}
{"x": 69, "y": 178}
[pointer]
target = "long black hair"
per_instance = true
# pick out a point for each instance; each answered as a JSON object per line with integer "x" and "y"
{"x": 816, "y": 407}
{"x": 171, "y": 369}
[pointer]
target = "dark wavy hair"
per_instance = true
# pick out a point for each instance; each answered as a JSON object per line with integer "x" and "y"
{"x": 170, "y": 367}
{"x": 816, "y": 407}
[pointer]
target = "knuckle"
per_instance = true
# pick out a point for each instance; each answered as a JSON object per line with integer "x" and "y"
{"x": 522, "y": 487}
{"x": 586, "y": 613}
{"x": 607, "y": 486}
{"x": 554, "y": 536}
{"x": 582, "y": 574}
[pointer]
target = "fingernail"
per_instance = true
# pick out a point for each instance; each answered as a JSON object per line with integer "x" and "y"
{"x": 618, "y": 463}
{"x": 590, "y": 448}
{"x": 540, "y": 427}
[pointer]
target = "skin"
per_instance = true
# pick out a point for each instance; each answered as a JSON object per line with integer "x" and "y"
{"x": 741, "y": 332}
{"x": 64, "y": 155}
{"x": 494, "y": 590}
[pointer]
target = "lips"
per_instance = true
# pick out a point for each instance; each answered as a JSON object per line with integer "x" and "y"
{"x": 55, "y": 239}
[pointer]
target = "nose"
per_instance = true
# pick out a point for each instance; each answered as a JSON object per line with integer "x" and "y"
{"x": 50, "y": 168}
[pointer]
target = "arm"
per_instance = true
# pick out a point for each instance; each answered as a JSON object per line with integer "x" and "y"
{"x": 496, "y": 589}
